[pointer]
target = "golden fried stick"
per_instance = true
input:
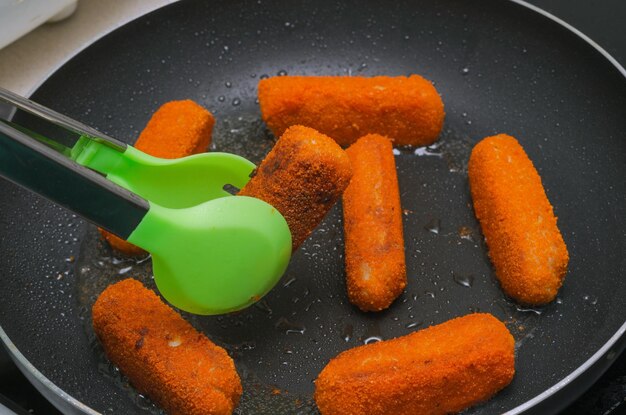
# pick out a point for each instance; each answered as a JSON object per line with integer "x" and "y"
{"x": 375, "y": 267}
{"x": 163, "y": 356}
{"x": 406, "y": 109}
{"x": 177, "y": 129}
{"x": 525, "y": 245}
{"x": 302, "y": 177}
{"x": 438, "y": 370}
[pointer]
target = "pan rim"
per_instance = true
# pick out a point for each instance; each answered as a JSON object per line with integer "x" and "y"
{"x": 620, "y": 334}
{"x": 25, "y": 364}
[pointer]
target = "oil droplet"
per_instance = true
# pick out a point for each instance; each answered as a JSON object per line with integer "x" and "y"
{"x": 124, "y": 270}
{"x": 372, "y": 339}
{"x": 434, "y": 226}
{"x": 311, "y": 304}
{"x": 228, "y": 84}
{"x": 289, "y": 327}
{"x": 372, "y": 334}
{"x": 429, "y": 294}
{"x": 427, "y": 151}
{"x": 346, "y": 332}
{"x": 414, "y": 324}
{"x": 282, "y": 72}
{"x": 236, "y": 102}
{"x": 465, "y": 71}
{"x": 591, "y": 299}
{"x": 243, "y": 346}
{"x": 463, "y": 280}
{"x": 116, "y": 261}
{"x": 142, "y": 260}
{"x": 221, "y": 98}
{"x": 264, "y": 76}
{"x": 528, "y": 310}
{"x": 144, "y": 403}
{"x": 289, "y": 282}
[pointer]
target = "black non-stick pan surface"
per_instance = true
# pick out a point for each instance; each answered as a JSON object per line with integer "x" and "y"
{"x": 499, "y": 66}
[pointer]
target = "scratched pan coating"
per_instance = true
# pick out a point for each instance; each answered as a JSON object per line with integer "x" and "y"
{"x": 499, "y": 66}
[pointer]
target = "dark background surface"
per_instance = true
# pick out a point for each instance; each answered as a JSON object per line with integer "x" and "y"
{"x": 603, "y": 21}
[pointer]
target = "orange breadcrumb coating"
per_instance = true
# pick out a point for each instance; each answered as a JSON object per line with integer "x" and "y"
{"x": 525, "y": 245}
{"x": 302, "y": 177}
{"x": 177, "y": 129}
{"x": 375, "y": 267}
{"x": 438, "y": 370}
{"x": 164, "y": 356}
{"x": 408, "y": 109}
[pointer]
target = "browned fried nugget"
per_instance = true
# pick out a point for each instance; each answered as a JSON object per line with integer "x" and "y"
{"x": 525, "y": 245}
{"x": 407, "y": 109}
{"x": 177, "y": 129}
{"x": 375, "y": 267}
{"x": 438, "y": 370}
{"x": 164, "y": 356}
{"x": 302, "y": 177}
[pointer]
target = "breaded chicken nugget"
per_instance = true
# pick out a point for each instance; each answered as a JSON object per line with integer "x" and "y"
{"x": 525, "y": 245}
{"x": 438, "y": 370}
{"x": 302, "y": 177}
{"x": 407, "y": 109}
{"x": 177, "y": 129}
{"x": 375, "y": 267}
{"x": 164, "y": 356}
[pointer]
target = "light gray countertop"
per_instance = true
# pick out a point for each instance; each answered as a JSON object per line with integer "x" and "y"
{"x": 27, "y": 62}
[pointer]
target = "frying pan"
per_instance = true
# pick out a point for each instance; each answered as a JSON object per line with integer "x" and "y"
{"x": 500, "y": 66}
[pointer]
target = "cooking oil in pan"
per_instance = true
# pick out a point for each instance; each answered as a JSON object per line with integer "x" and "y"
{"x": 281, "y": 343}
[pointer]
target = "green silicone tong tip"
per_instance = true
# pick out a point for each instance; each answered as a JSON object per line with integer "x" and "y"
{"x": 212, "y": 252}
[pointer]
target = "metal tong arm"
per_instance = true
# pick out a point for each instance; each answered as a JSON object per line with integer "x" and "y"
{"x": 43, "y": 170}
{"x": 58, "y": 119}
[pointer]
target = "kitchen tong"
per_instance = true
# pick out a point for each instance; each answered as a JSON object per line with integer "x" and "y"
{"x": 212, "y": 252}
